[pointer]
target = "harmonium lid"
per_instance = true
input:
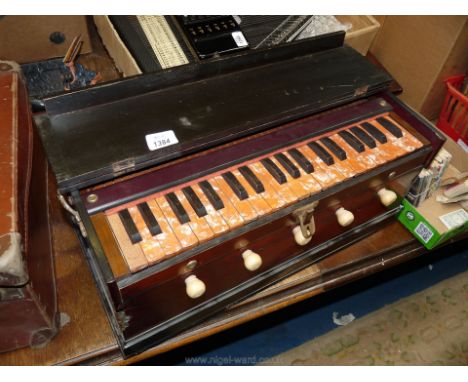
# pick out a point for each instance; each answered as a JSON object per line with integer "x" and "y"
{"x": 100, "y": 133}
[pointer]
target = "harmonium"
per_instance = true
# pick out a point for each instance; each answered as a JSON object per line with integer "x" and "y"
{"x": 195, "y": 186}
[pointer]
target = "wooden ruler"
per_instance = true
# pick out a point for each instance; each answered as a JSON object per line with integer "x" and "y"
{"x": 162, "y": 41}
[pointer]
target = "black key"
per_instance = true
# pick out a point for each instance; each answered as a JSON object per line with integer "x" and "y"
{"x": 211, "y": 195}
{"x": 130, "y": 226}
{"x": 274, "y": 170}
{"x": 334, "y": 148}
{"x": 238, "y": 189}
{"x": 149, "y": 219}
{"x": 376, "y": 133}
{"x": 351, "y": 140}
{"x": 364, "y": 137}
{"x": 178, "y": 208}
{"x": 288, "y": 165}
{"x": 250, "y": 177}
{"x": 301, "y": 160}
{"x": 390, "y": 126}
{"x": 195, "y": 201}
{"x": 322, "y": 153}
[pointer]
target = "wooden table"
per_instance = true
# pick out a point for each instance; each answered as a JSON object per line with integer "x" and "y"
{"x": 88, "y": 338}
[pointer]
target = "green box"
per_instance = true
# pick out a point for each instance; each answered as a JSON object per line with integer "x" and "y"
{"x": 422, "y": 229}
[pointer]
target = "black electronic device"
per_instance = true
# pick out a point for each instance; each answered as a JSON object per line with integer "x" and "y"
{"x": 213, "y": 35}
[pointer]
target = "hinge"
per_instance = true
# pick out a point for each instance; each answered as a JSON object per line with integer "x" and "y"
{"x": 305, "y": 217}
{"x": 122, "y": 166}
{"x": 361, "y": 90}
{"x": 75, "y": 215}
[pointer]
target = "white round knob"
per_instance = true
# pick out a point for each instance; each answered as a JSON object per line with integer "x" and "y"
{"x": 194, "y": 286}
{"x": 252, "y": 260}
{"x": 345, "y": 217}
{"x": 299, "y": 237}
{"x": 386, "y": 196}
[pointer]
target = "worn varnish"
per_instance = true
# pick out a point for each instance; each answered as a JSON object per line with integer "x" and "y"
{"x": 156, "y": 296}
{"x": 142, "y": 304}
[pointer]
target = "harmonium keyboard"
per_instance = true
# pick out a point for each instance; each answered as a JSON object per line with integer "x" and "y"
{"x": 194, "y": 187}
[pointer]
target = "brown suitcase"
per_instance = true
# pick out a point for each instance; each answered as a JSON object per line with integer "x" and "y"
{"x": 28, "y": 304}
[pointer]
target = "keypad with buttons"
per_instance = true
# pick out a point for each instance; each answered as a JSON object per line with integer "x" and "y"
{"x": 212, "y": 35}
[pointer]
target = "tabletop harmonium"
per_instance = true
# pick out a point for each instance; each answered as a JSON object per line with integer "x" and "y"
{"x": 196, "y": 186}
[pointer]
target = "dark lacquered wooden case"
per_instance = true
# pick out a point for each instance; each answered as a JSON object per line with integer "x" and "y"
{"x": 238, "y": 107}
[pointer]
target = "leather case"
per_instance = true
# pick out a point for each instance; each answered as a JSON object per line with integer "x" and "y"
{"x": 28, "y": 304}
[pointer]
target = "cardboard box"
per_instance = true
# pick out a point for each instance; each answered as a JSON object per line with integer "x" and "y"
{"x": 433, "y": 223}
{"x": 420, "y": 52}
{"x": 35, "y": 38}
{"x": 360, "y": 37}
{"x": 116, "y": 48}
{"x": 362, "y": 33}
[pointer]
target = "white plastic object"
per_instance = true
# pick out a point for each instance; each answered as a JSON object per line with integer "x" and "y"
{"x": 299, "y": 237}
{"x": 194, "y": 286}
{"x": 345, "y": 217}
{"x": 387, "y": 197}
{"x": 252, "y": 260}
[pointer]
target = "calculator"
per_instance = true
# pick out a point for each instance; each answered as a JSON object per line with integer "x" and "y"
{"x": 213, "y": 35}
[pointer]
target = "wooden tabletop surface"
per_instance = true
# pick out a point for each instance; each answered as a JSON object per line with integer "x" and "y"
{"x": 88, "y": 339}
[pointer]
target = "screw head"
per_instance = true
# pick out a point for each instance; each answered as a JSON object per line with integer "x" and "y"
{"x": 383, "y": 103}
{"x": 92, "y": 198}
{"x": 191, "y": 265}
{"x": 242, "y": 243}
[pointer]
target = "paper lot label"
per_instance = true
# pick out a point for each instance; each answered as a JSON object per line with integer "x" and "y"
{"x": 160, "y": 140}
{"x": 239, "y": 39}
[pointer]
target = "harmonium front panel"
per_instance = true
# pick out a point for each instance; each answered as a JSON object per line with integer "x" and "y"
{"x": 183, "y": 239}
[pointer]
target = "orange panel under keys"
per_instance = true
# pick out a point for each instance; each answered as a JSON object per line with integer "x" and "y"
{"x": 343, "y": 167}
{"x": 229, "y": 212}
{"x": 256, "y": 200}
{"x": 132, "y": 253}
{"x": 390, "y": 145}
{"x": 382, "y": 153}
{"x": 297, "y": 188}
{"x": 306, "y": 179}
{"x": 283, "y": 190}
{"x": 217, "y": 224}
{"x": 359, "y": 162}
{"x": 244, "y": 208}
{"x": 326, "y": 175}
{"x": 407, "y": 142}
{"x": 270, "y": 195}
{"x": 183, "y": 232}
{"x": 149, "y": 244}
{"x": 370, "y": 157}
{"x": 167, "y": 238}
{"x": 199, "y": 225}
